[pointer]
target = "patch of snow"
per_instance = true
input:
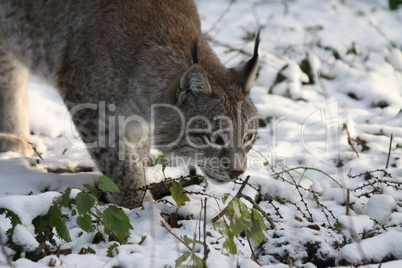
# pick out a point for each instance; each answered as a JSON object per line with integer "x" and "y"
{"x": 24, "y": 237}
{"x": 379, "y": 208}
{"x": 374, "y": 249}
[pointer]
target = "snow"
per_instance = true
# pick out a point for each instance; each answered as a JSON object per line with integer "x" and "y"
{"x": 28, "y": 208}
{"x": 375, "y": 249}
{"x": 23, "y": 237}
{"x": 356, "y": 48}
{"x": 380, "y": 207}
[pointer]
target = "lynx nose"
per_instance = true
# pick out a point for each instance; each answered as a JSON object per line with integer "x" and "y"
{"x": 235, "y": 173}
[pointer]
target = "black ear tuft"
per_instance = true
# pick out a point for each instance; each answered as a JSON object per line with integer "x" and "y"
{"x": 252, "y": 63}
{"x": 194, "y": 52}
{"x": 245, "y": 71}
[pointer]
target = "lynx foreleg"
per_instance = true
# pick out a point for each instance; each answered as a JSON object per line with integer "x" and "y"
{"x": 117, "y": 156}
{"x": 14, "y": 124}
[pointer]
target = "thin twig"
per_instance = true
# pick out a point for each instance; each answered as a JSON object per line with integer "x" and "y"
{"x": 257, "y": 207}
{"x": 69, "y": 169}
{"x": 238, "y": 195}
{"x": 389, "y": 150}
{"x": 178, "y": 238}
{"x": 34, "y": 148}
{"x": 320, "y": 206}
{"x": 219, "y": 43}
{"x": 267, "y": 198}
{"x": 206, "y": 250}
{"x": 381, "y": 32}
{"x": 345, "y": 126}
{"x": 310, "y": 218}
{"x": 254, "y": 258}
{"x": 221, "y": 16}
{"x": 348, "y": 202}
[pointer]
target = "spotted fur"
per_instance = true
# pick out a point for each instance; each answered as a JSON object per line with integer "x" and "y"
{"x": 135, "y": 60}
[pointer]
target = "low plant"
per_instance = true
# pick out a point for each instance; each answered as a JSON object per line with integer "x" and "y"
{"x": 237, "y": 218}
{"x": 111, "y": 222}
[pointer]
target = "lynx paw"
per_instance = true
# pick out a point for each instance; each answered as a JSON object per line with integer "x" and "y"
{"x": 10, "y": 142}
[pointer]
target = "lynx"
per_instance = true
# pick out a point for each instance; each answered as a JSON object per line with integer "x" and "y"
{"x": 133, "y": 74}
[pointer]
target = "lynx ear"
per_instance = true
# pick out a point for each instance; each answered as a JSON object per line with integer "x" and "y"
{"x": 245, "y": 71}
{"x": 194, "y": 81}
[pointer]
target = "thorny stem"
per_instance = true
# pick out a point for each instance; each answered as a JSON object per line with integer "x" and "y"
{"x": 321, "y": 206}
{"x": 369, "y": 173}
{"x": 269, "y": 199}
{"x": 294, "y": 183}
{"x": 278, "y": 174}
{"x": 310, "y": 218}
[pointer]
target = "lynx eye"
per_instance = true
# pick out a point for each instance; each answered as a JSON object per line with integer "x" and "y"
{"x": 249, "y": 138}
{"x": 219, "y": 141}
{"x": 215, "y": 139}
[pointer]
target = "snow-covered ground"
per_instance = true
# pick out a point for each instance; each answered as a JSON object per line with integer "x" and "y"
{"x": 328, "y": 131}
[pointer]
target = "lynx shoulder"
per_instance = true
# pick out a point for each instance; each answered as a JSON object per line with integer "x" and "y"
{"x": 133, "y": 74}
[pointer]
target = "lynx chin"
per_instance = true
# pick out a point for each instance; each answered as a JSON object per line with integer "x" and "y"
{"x": 147, "y": 65}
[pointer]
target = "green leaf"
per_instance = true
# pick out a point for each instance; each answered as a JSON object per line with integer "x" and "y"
{"x": 92, "y": 190}
{"x": 88, "y": 250}
{"x": 63, "y": 232}
{"x": 178, "y": 194}
{"x": 88, "y": 186}
{"x": 85, "y": 222}
{"x": 182, "y": 258}
{"x": 84, "y": 202}
{"x": 198, "y": 261}
{"x": 255, "y": 232}
{"x": 41, "y": 224}
{"x": 54, "y": 215}
{"x": 142, "y": 240}
{"x": 393, "y": 4}
{"x": 187, "y": 240}
{"x": 117, "y": 221}
{"x": 238, "y": 215}
{"x": 107, "y": 185}
{"x": 110, "y": 250}
{"x": 64, "y": 199}
{"x": 229, "y": 245}
{"x": 95, "y": 192}
{"x": 98, "y": 238}
{"x": 11, "y": 215}
{"x": 160, "y": 159}
{"x": 225, "y": 197}
{"x": 257, "y": 216}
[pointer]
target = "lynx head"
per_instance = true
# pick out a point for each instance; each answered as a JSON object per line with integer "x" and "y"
{"x": 213, "y": 120}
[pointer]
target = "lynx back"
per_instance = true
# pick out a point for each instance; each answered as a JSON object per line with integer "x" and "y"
{"x": 127, "y": 71}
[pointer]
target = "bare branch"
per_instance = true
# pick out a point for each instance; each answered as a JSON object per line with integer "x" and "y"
{"x": 389, "y": 150}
